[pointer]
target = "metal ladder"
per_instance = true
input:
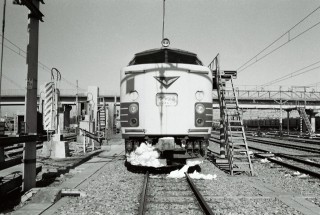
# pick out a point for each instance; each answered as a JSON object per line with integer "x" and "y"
{"x": 236, "y": 141}
{"x": 232, "y": 132}
{"x": 102, "y": 119}
{"x": 303, "y": 114}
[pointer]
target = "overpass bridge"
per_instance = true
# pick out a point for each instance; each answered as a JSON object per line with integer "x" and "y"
{"x": 248, "y": 98}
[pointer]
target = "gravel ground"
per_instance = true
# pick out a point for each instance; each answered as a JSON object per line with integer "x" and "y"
{"x": 284, "y": 179}
{"x": 113, "y": 190}
{"x": 121, "y": 192}
{"x": 315, "y": 200}
{"x": 234, "y": 192}
{"x": 250, "y": 206}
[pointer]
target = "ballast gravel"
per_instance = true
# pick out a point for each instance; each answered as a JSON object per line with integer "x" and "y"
{"x": 115, "y": 190}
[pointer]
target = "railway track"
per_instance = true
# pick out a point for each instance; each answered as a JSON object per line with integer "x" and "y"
{"x": 314, "y": 141}
{"x": 285, "y": 145}
{"x": 293, "y": 162}
{"x": 177, "y": 196}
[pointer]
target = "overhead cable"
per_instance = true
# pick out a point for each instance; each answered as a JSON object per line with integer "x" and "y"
{"x": 13, "y": 82}
{"x": 23, "y": 54}
{"x": 256, "y": 58}
{"x": 293, "y": 74}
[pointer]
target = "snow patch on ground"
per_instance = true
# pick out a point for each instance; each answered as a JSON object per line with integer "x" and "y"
{"x": 196, "y": 175}
{"x": 179, "y": 173}
{"x": 145, "y": 155}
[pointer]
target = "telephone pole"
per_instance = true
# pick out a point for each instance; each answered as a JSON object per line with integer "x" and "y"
{"x": 2, "y": 39}
{"x": 30, "y": 151}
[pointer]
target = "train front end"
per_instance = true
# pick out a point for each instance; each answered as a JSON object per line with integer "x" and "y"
{"x": 166, "y": 100}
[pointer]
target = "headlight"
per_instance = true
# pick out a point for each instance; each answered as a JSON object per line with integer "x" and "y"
{"x": 200, "y": 108}
{"x": 199, "y": 95}
{"x": 200, "y": 122}
{"x": 133, "y": 122}
{"x": 133, "y": 108}
{"x": 134, "y": 95}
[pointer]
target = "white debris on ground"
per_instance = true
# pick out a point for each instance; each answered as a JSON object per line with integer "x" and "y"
{"x": 179, "y": 173}
{"x": 264, "y": 160}
{"x": 194, "y": 162}
{"x": 296, "y": 173}
{"x": 196, "y": 175}
{"x": 303, "y": 176}
{"x": 249, "y": 152}
{"x": 278, "y": 159}
{"x": 145, "y": 155}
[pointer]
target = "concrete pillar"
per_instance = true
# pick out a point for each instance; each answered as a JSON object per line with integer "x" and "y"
{"x": 313, "y": 121}
{"x": 110, "y": 109}
{"x": 288, "y": 121}
{"x": 2, "y": 158}
{"x": 312, "y": 114}
{"x": 92, "y": 98}
{"x": 29, "y": 153}
{"x": 67, "y": 109}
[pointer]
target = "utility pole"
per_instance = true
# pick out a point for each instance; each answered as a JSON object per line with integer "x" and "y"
{"x": 281, "y": 102}
{"x": 3, "y": 27}
{"x": 77, "y": 106}
{"x": 29, "y": 153}
{"x": 280, "y": 113}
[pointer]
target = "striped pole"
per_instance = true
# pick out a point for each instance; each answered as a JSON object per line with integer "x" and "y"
{"x": 48, "y": 106}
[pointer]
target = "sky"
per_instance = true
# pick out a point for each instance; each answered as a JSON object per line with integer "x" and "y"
{"x": 90, "y": 41}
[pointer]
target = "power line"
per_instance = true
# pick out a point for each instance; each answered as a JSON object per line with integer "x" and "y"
{"x": 256, "y": 57}
{"x": 314, "y": 84}
{"x": 23, "y": 53}
{"x": 13, "y": 82}
{"x": 293, "y": 74}
{"x": 1, "y": 63}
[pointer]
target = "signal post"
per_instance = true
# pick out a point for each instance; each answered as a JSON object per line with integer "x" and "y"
{"x": 29, "y": 153}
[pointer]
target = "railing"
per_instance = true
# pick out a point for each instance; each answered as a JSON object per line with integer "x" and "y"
{"x": 13, "y": 181}
{"x": 63, "y": 92}
{"x": 10, "y": 141}
{"x": 242, "y": 92}
{"x": 272, "y": 95}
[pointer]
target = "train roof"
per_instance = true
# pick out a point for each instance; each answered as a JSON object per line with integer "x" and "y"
{"x": 165, "y": 55}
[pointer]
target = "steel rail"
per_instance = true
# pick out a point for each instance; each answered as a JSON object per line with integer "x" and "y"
{"x": 291, "y": 166}
{"x": 205, "y": 207}
{"x": 285, "y": 145}
{"x": 314, "y": 141}
{"x": 311, "y": 163}
{"x": 142, "y": 205}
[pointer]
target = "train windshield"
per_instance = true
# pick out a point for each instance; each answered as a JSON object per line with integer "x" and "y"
{"x": 165, "y": 56}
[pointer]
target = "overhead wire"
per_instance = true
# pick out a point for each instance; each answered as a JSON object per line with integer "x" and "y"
{"x": 12, "y": 81}
{"x": 256, "y": 58}
{"x": 43, "y": 66}
{"x": 293, "y": 74}
{"x": 314, "y": 84}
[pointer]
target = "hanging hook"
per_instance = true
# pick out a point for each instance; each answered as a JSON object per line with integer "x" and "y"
{"x": 58, "y": 77}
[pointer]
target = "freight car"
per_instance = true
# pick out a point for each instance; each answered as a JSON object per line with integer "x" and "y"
{"x": 274, "y": 124}
{"x": 166, "y": 100}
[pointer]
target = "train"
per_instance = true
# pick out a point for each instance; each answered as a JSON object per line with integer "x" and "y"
{"x": 273, "y": 124}
{"x": 166, "y": 100}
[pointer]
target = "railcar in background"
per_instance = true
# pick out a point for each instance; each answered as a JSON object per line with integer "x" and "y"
{"x": 166, "y": 100}
{"x": 274, "y": 124}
